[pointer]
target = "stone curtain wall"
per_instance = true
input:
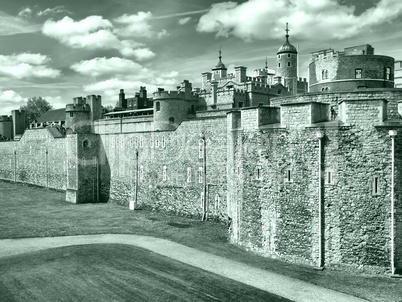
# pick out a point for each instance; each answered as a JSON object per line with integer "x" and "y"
{"x": 123, "y": 125}
{"x": 38, "y": 159}
{"x": 274, "y": 204}
{"x": 173, "y": 188}
{"x": 391, "y": 95}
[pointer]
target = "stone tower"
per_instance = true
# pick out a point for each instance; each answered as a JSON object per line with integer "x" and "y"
{"x": 219, "y": 71}
{"x": 78, "y": 116}
{"x": 287, "y": 64}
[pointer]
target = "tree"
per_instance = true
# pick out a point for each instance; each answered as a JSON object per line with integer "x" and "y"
{"x": 35, "y": 107}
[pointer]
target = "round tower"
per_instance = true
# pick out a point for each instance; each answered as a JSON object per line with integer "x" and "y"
{"x": 287, "y": 62}
{"x": 170, "y": 109}
{"x": 78, "y": 116}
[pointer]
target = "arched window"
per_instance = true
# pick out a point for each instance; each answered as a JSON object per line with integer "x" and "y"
{"x": 171, "y": 120}
{"x": 158, "y": 106}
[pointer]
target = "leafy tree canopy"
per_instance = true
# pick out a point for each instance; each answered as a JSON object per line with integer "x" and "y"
{"x": 35, "y": 107}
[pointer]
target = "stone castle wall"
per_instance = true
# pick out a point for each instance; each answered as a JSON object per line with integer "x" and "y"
{"x": 273, "y": 183}
{"x": 169, "y": 167}
{"x": 38, "y": 159}
{"x": 333, "y": 99}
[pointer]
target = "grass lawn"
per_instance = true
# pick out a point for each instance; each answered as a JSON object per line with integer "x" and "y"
{"x": 111, "y": 272}
{"x": 35, "y": 212}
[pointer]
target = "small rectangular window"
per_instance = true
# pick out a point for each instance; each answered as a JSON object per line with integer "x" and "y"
{"x": 200, "y": 175}
{"x": 71, "y": 114}
{"x": 358, "y": 73}
{"x": 288, "y": 55}
{"x": 289, "y": 64}
{"x": 201, "y": 149}
{"x": 288, "y": 175}
{"x": 376, "y": 185}
{"x": 258, "y": 173}
{"x": 279, "y": 64}
{"x": 241, "y": 104}
{"x": 189, "y": 174}
{"x": 329, "y": 177}
{"x": 164, "y": 173}
{"x": 388, "y": 73}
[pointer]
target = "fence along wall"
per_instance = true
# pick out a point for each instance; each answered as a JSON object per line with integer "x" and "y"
{"x": 38, "y": 158}
{"x": 170, "y": 167}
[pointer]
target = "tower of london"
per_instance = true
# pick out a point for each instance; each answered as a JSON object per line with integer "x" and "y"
{"x": 309, "y": 172}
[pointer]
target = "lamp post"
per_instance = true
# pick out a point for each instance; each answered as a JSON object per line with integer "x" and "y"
{"x": 204, "y": 178}
{"x": 320, "y": 263}
{"x": 392, "y": 134}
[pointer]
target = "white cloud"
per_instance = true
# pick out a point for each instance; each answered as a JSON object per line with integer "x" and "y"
{"x": 26, "y": 12}
{"x": 10, "y": 25}
{"x": 93, "y": 32}
{"x": 10, "y": 100}
{"x": 26, "y": 65}
{"x": 184, "y": 20}
{"x": 109, "y": 66}
{"x": 171, "y": 74}
{"x": 53, "y": 11}
{"x": 162, "y": 33}
{"x": 143, "y": 53}
{"x": 57, "y": 101}
{"x": 137, "y": 25}
{"x": 318, "y": 19}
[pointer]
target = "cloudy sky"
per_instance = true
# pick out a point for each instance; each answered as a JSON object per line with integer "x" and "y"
{"x": 62, "y": 49}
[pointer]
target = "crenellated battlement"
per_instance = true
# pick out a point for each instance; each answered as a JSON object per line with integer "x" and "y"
{"x": 5, "y": 118}
{"x": 77, "y": 108}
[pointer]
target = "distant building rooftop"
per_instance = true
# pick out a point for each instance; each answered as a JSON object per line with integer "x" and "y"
{"x": 53, "y": 115}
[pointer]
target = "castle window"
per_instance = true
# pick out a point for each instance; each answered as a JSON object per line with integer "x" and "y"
{"x": 288, "y": 64}
{"x": 171, "y": 120}
{"x": 157, "y": 142}
{"x": 376, "y": 185}
{"x": 241, "y": 104}
{"x": 288, "y": 55}
{"x": 279, "y": 56}
{"x": 358, "y": 73}
{"x": 71, "y": 114}
{"x": 288, "y": 175}
{"x": 258, "y": 172}
{"x": 164, "y": 173}
{"x": 188, "y": 174}
{"x": 200, "y": 174}
{"x": 201, "y": 149}
{"x": 163, "y": 142}
{"x": 217, "y": 202}
{"x": 279, "y": 64}
{"x": 388, "y": 73}
{"x": 329, "y": 177}
{"x": 158, "y": 106}
{"x": 85, "y": 143}
{"x": 324, "y": 74}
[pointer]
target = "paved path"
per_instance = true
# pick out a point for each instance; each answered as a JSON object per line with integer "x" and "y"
{"x": 283, "y": 286}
